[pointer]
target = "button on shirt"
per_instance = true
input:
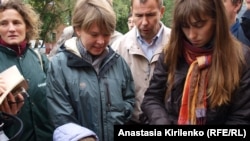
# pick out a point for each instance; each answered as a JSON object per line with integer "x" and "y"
{"x": 149, "y": 49}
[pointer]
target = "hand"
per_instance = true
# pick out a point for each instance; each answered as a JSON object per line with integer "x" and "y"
{"x": 12, "y": 104}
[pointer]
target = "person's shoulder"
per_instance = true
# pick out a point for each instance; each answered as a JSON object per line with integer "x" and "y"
{"x": 115, "y": 36}
{"x": 68, "y": 32}
{"x": 166, "y": 33}
{"x": 166, "y": 29}
{"x": 124, "y": 40}
{"x": 117, "y": 33}
{"x": 246, "y": 14}
{"x": 68, "y": 29}
{"x": 130, "y": 35}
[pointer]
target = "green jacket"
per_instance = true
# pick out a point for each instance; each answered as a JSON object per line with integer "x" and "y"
{"x": 34, "y": 115}
{"x": 78, "y": 93}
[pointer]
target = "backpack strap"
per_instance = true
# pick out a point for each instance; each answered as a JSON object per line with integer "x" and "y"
{"x": 39, "y": 57}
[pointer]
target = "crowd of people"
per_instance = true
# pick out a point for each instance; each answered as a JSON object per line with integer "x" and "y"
{"x": 195, "y": 72}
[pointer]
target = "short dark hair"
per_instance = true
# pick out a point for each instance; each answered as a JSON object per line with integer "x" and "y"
{"x": 160, "y": 2}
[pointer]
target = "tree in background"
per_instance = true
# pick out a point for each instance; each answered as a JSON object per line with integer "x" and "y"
{"x": 58, "y": 12}
{"x": 52, "y": 14}
{"x": 122, "y": 8}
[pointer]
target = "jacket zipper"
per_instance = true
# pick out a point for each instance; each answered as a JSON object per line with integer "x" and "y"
{"x": 107, "y": 95}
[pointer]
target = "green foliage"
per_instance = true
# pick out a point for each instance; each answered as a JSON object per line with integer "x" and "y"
{"x": 122, "y": 8}
{"x": 168, "y": 12}
{"x": 57, "y": 12}
{"x": 52, "y": 14}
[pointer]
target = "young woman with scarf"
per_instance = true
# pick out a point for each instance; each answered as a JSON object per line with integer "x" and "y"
{"x": 202, "y": 76}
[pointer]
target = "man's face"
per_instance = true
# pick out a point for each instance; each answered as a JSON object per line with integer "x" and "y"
{"x": 130, "y": 23}
{"x": 248, "y": 4}
{"x": 231, "y": 10}
{"x": 147, "y": 18}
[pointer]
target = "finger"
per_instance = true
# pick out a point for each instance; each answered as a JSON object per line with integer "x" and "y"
{"x": 5, "y": 107}
{"x": 19, "y": 97}
{"x": 12, "y": 103}
{"x": 19, "y": 101}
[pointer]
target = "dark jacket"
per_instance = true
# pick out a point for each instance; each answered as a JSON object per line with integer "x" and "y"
{"x": 245, "y": 23}
{"x": 34, "y": 114}
{"x": 96, "y": 100}
{"x": 158, "y": 112}
{"x": 238, "y": 32}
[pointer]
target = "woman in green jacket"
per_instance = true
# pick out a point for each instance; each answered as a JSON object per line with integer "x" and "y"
{"x": 89, "y": 84}
{"x": 18, "y": 25}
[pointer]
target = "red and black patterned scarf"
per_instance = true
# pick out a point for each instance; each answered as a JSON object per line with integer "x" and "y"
{"x": 193, "y": 106}
{"x": 19, "y": 49}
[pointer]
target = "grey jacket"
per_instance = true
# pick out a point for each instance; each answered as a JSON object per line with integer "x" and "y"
{"x": 141, "y": 68}
{"x": 96, "y": 100}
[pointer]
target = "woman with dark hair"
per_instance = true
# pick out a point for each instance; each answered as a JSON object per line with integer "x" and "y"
{"x": 202, "y": 76}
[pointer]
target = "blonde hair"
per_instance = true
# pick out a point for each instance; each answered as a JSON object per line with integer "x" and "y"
{"x": 87, "y": 12}
{"x": 227, "y": 57}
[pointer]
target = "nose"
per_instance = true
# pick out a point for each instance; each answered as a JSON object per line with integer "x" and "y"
{"x": 100, "y": 40}
{"x": 144, "y": 20}
{"x": 192, "y": 33}
{"x": 11, "y": 27}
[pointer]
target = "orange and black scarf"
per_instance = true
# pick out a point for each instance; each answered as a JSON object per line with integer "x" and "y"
{"x": 193, "y": 105}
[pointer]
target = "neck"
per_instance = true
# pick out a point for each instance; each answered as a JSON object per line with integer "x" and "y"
{"x": 18, "y": 48}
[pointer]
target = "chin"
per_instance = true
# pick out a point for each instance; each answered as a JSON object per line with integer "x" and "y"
{"x": 13, "y": 43}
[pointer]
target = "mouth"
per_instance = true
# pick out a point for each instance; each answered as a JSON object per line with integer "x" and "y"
{"x": 98, "y": 47}
{"x": 145, "y": 30}
{"x": 12, "y": 36}
{"x": 195, "y": 42}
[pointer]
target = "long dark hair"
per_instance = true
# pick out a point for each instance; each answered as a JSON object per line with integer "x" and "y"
{"x": 225, "y": 71}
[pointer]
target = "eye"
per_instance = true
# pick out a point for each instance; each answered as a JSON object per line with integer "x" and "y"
{"x": 138, "y": 15}
{"x": 94, "y": 34}
{"x": 150, "y": 14}
{"x": 185, "y": 25}
{"x": 17, "y": 22}
{"x": 107, "y": 35}
{"x": 199, "y": 24}
{"x": 3, "y": 23}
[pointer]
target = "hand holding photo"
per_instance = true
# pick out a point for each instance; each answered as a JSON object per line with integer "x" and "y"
{"x": 14, "y": 81}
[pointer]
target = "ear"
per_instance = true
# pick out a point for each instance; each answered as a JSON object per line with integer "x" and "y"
{"x": 162, "y": 10}
{"x": 77, "y": 31}
{"x": 238, "y": 6}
